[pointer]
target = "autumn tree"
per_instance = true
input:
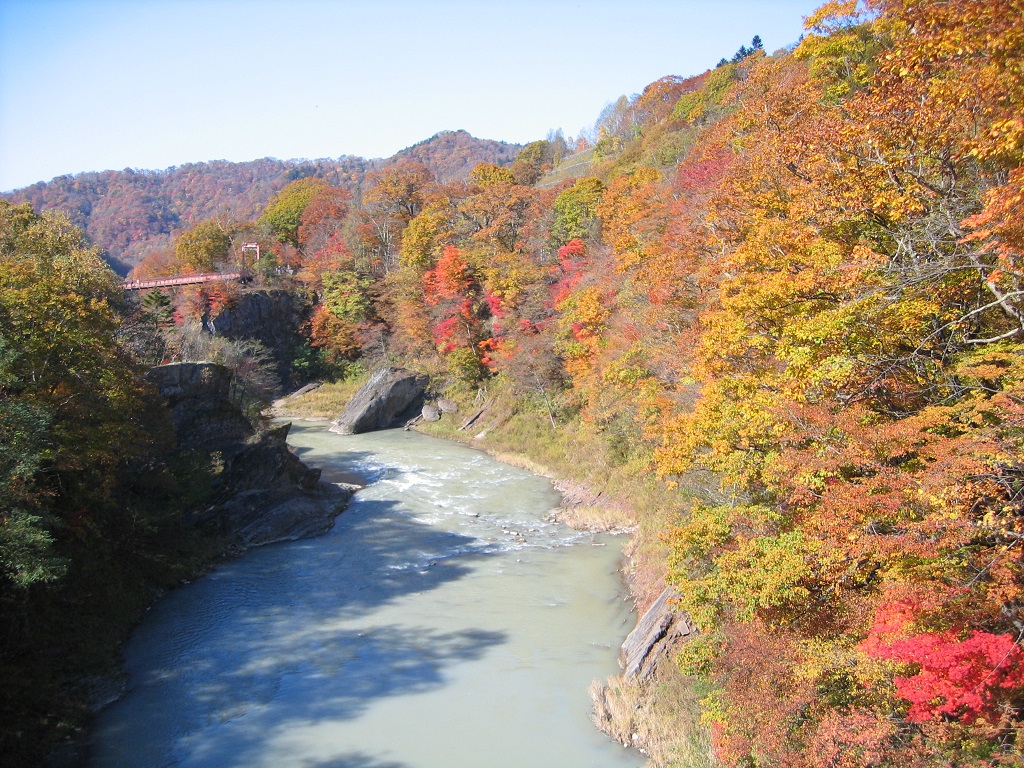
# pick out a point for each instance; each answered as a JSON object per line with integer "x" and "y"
{"x": 424, "y": 241}
{"x": 399, "y": 191}
{"x": 458, "y": 309}
{"x": 575, "y": 211}
{"x": 433, "y": 228}
{"x": 853, "y": 345}
{"x": 487, "y": 174}
{"x": 342, "y": 315}
{"x": 532, "y": 162}
{"x": 204, "y": 248}
{"x": 283, "y": 214}
{"x": 396, "y": 197}
{"x": 323, "y": 219}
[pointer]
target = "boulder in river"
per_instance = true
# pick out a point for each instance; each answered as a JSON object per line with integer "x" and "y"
{"x": 389, "y": 398}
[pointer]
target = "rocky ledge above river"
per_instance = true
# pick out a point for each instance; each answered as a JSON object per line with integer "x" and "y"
{"x": 262, "y": 492}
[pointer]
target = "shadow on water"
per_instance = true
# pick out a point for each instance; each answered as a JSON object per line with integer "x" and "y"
{"x": 326, "y": 677}
{"x": 283, "y": 640}
{"x": 362, "y": 464}
{"x": 344, "y": 458}
{"x": 354, "y": 760}
{"x": 358, "y": 463}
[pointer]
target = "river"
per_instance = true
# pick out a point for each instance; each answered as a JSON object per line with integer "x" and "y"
{"x": 445, "y": 622}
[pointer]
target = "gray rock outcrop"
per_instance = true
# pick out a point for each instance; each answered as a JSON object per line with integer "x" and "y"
{"x": 389, "y": 398}
{"x": 661, "y": 626}
{"x": 272, "y": 317}
{"x": 198, "y": 395}
{"x": 430, "y": 412}
{"x": 261, "y": 492}
{"x": 269, "y": 515}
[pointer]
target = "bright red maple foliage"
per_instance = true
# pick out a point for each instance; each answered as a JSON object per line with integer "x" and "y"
{"x": 448, "y": 280}
{"x": 444, "y": 334}
{"x": 967, "y": 679}
{"x": 570, "y": 269}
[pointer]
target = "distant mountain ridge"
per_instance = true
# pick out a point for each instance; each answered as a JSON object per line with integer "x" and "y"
{"x": 131, "y": 212}
{"x": 451, "y": 155}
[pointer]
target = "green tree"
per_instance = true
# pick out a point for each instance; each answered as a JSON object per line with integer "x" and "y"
{"x": 283, "y": 214}
{"x": 26, "y": 541}
{"x": 345, "y": 294}
{"x": 70, "y": 395}
{"x": 203, "y": 248}
{"x": 575, "y": 211}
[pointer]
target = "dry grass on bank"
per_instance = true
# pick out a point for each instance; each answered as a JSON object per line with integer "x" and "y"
{"x": 325, "y": 402}
{"x": 595, "y": 517}
{"x": 660, "y": 717}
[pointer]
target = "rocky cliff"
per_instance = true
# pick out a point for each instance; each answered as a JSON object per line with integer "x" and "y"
{"x": 262, "y": 493}
{"x": 273, "y": 317}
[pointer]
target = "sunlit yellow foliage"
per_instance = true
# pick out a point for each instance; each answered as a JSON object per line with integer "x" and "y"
{"x": 629, "y": 207}
{"x": 427, "y": 234}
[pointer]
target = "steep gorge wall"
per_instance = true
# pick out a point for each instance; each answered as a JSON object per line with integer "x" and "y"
{"x": 274, "y": 317}
{"x": 262, "y": 493}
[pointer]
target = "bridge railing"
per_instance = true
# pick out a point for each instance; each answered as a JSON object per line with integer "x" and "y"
{"x": 165, "y": 282}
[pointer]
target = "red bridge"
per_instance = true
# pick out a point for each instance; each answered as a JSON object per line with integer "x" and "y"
{"x": 164, "y": 282}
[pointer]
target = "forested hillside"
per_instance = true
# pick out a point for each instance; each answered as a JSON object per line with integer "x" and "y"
{"x": 799, "y": 272}
{"x": 790, "y": 287}
{"x": 131, "y": 212}
{"x": 91, "y": 515}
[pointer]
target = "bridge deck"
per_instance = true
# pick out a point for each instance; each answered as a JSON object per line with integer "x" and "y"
{"x": 164, "y": 282}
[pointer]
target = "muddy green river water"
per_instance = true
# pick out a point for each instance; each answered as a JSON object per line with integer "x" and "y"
{"x": 445, "y": 622}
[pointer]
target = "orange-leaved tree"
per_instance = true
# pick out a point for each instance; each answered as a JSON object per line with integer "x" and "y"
{"x": 861, "y": 399}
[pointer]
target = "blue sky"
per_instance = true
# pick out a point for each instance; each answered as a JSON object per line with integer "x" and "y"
{"x": 90, "y": 85}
